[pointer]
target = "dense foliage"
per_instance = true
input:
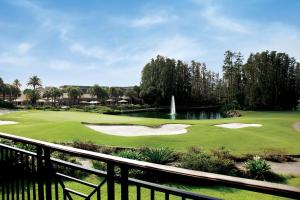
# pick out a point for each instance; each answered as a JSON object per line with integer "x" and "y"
{"x": 268, "y": 80}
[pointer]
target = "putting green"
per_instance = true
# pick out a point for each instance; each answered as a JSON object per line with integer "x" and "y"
{"x": 277, "y": 132}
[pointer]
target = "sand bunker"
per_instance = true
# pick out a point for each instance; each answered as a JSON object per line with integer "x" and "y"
{"x": 136, "y": 130}
{"x": 297, "y": 126}
{"x": 5, "y": 111}
{"x": 7, "y": 122}
{"x": 238, "y": 125}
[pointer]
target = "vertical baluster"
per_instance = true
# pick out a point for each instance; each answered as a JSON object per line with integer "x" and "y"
{"x": 167, "y": 196}
{"x": 39, "y": 158}
{"x": 27, "y": 175}
{"x": 99, "y": 194}
{"x": 8, "y": 173}
{"x": 65, "y": 194}
{"x": 13, "y": 167}
{"x": 138, "y": 192}
{"x": 152, "y": 194}
{"x": 48, "y": 173}
{"x": 56, "y": 188}
{"x": 124, "y": 183}
{"x": 22, "y": 177}
{"x": 110, "y": 181}
{"x": 33, "y": 177}
{"x": 2, "y": 164}
{"x": 18, "y": 176}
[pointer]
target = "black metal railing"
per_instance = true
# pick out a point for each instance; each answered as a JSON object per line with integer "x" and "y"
{"x": 36, "y": 174}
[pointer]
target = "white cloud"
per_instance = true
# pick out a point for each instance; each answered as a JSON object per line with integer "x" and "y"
{"x": 23, "y": 48}
{"x": 150, "y": 20}
{"x": 176, "y": 46}
{"x": 211, "y": 14}
{"x": 15, "y": 60}
{"x": 60, "y": 65}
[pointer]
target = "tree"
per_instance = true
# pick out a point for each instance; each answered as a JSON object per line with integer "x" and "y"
{"x": 16, "y": 83}
{"x": 232, "y": 69}
{"x": 2, "y": 87}
{"x": 31, "y": 95}
{"x": 16, "y": 88}
{"x": 115, "y": 92}
{"x": 35, "y": 82}
{"x": 297, "y": 77}
{"x": 74, "y": 93}
{"x": 98, "y": 91}
{"x": 55, "y": 93}
{"x": 270, "y": 81}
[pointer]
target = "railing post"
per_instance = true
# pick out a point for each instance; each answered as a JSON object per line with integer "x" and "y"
{"x": 39, "y": 152}
{"x": 124, "y": 183}
{"x": 110, "y": 181}
{"x": 48, "y": 173}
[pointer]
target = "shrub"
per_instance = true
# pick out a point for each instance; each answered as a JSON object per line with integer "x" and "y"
{"x": 258, "y": 168}
{"x": 209, "y": 163}
{"x": 68, "y": 170}
{"x": 27, "y": 147}
{"x": 99, "y": 165}
{"x": 159, "y": 156}
{"x": 4, "y": 104}
{"x": 222, "y": 153}
{"x": 130, "y": 154}
{"x": 90, "y": 146}
{"x": 277, "y": 155}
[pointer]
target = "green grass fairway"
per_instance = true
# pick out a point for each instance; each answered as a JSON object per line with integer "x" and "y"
{"x": 277, "y": 131}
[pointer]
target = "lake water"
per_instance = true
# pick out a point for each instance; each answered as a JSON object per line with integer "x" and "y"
{"x": 181, "y": 114}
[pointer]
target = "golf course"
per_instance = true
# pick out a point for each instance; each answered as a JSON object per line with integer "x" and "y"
{"x": 276, "y": 133}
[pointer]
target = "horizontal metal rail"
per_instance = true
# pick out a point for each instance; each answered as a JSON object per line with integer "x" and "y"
{"x": 127, "y": 164}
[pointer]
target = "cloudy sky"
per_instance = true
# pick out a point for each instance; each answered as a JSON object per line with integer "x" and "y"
{"x": 108, "y": 42}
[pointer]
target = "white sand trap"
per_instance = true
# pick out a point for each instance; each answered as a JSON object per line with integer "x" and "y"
{"x": 238, "y": 125}
{"x": 7, "y": 122}
{"x": 136, "y": 130}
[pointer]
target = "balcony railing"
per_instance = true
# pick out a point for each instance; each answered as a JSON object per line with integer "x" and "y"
{"x": 37, "y": 175}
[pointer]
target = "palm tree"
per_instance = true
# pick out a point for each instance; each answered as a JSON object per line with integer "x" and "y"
{"x": 34, "y": 81}
{"x": 16, "y": 88}
{"x": 6, "y": 90}
{"x": 32, "y": 95}
{"x": 16, "y": 83}
{"x": 55, "y": 93}
{"x": 98, "y": 91}
{"x": 74, "y": 93}
{"x": 2, "y": 87}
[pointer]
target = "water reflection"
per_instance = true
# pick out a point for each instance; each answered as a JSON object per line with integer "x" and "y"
{"x": 197, "y": 114}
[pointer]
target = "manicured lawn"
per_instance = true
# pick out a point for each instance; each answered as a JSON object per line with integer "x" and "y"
{"x": 277, "y": 131}
{"x": 213, "y": 191}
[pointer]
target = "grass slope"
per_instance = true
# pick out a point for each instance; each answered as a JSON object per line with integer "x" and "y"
{"x": 277, "y": 131}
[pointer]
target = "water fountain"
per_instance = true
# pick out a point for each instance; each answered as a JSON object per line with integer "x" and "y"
{"x": 173, "y": 109}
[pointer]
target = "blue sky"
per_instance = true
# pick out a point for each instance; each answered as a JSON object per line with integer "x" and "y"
{"x": 108, "y": 42}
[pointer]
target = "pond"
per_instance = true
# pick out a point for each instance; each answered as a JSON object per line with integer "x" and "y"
{"x": 180, "y": 114}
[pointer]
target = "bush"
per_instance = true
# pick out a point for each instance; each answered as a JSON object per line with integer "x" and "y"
{"x": 4, "y": 104}
{"x": 202, "y": 161}
{"x": 276, "y": 155}
{"x": 90, "y": 146}
{"x": 222, "y": 153}
{"x": 27, "y": 147}
{"x": 258, "y": 168}
{"x": 68, "y": 170}
{"x": 99, "y": 165}
{"x": 159, "y": 156}
{"x": 130, "y": 154}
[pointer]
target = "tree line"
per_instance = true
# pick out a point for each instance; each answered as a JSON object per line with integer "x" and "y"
{"x": 34, "y": 92}
{"x": 267, "y": 80}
